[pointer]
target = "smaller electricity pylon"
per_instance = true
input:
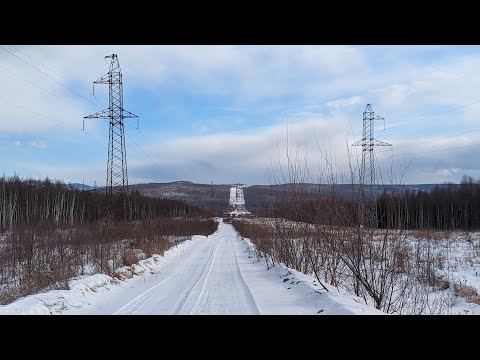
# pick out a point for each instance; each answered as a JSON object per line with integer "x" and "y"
{"x": 367, "y": 214}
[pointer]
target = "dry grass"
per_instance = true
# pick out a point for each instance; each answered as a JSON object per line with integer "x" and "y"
{"x": 130, "y": 257}
{"x": 156, "y": 248}
{"x": 432, "y": 234}
{"x": 44, "y": 257}
{"x": 467, "y": 292}
{"x": 407, "y": 269}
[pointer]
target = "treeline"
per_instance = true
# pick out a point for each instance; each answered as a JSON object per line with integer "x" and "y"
{"x": 45, "y": 256}
{"x": 296, "y": 204}
{"x": 446, "y": 207}
{"x": 387, "y": 268}
{"x": 449, "y": 207}
{"x": 33, "y": 202}
{"x": 50, "y": 232}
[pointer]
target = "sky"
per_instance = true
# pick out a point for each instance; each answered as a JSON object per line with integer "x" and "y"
{"x": 243, "y": 114}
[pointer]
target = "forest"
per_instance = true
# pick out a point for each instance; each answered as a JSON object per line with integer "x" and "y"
{"x": 50, "y": 232}
{"x": 446, "y": 207}
{"x": 32, "y": 202}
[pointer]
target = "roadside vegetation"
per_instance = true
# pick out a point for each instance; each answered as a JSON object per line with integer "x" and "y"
{"x": 50, "y": 233}
{"x": 422, "y": 259}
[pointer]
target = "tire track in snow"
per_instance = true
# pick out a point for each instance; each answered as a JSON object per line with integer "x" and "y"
{"x": 189, "y": 292}
{"x": 209, "y": 293}
{"x": 134, "y": 305}
{"x": 203, "y": 291}
{"x": 253, "y": 303}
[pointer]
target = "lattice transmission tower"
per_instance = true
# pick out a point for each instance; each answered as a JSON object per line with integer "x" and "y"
{"x": 367, "y": 213}
{"x": 117, "y": 176}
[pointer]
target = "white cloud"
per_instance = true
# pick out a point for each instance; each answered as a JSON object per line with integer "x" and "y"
{"x": 346, "y": 102}
{"x": 244, "y": 156}
{"x": 36, "y": 144}
{"x": 39, "y": 144}
{"x": 244, "y": 71}
{"x": 340, "y": 79}
{"x": 33, "y": 103}
{"x": 394, "y": 95}
{"x": 446, "y": 173}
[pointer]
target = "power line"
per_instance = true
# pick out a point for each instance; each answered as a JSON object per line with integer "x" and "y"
{"x": 156, "y": 149}
{"x": 431, "y": 151}
{"x": 430, "y": 141}
{"x": 59, "y": 74}
{"x": 454, "y": 58}
{"x": 45, "y": 116}
{"x": 149, "y": 156}
{"x": 52, "y": 70}
{"x": 432, "y": 116}
{"x": 66, "y": 87}
{"x": 41, "y": 88}
{"x": 31, "y": 83}
{"x": 49, "y": 92}
{"x": 36, "y": 113}
{"x": 56, "y": 72}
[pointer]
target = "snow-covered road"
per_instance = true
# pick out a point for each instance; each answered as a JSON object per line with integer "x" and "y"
{"x": 216, "y": 274}
{"x": 206, "y": 280}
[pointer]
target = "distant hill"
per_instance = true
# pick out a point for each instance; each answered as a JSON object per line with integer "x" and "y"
{"x": 80, "y": 186}
{"x": 217, "y": 196}
{"x": 260, "y": 195}
{"x": 202, "y": 195}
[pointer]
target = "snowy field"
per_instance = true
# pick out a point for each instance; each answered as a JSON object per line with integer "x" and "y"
{"x": 429, "y": 272}
{"x": 457, "y": 262}
{"x": 218, "y": 274}
{"x": 222, "y": 274}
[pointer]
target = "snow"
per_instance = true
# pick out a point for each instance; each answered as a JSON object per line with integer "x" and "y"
{"x": 461, "y": 265}
{"x": 236, "y": 196}
{"x": 455, "y": 260}
{"x": 237, "y": 201}
{"x": 238, "y": 212}
{"x": 218, "y": 274}
{"x": 282, "y": 290}
{"x": 85, "y": 290}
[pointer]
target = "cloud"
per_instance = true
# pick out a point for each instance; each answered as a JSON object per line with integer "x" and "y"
{"x": 446, "y": 173}
{"x": 250, "y": 155}
{"x": 31, "y": 103}
{"x": 346, "y": 102}
{"x": 310, "y": 92}
{"x": 247, "y": 72}
{"x": 244, "y": 156}
{"x": 37, "y": 144}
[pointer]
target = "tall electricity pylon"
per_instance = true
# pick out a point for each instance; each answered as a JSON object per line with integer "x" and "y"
{"x": 117, "y": 176}
{"x": 367, "y": 214}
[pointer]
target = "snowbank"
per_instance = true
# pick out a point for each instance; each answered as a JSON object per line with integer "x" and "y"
{"x": 84, "y": 289}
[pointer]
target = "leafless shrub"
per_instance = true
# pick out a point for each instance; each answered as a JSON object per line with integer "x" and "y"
{"x": 45, "y": 256}
{"x": 319, "y": 233}
{"x": 468, "y": 292}
{"x": 130, "y": 257}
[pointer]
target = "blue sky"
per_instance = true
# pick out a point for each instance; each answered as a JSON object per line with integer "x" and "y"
{"x": 224, "y": 113}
